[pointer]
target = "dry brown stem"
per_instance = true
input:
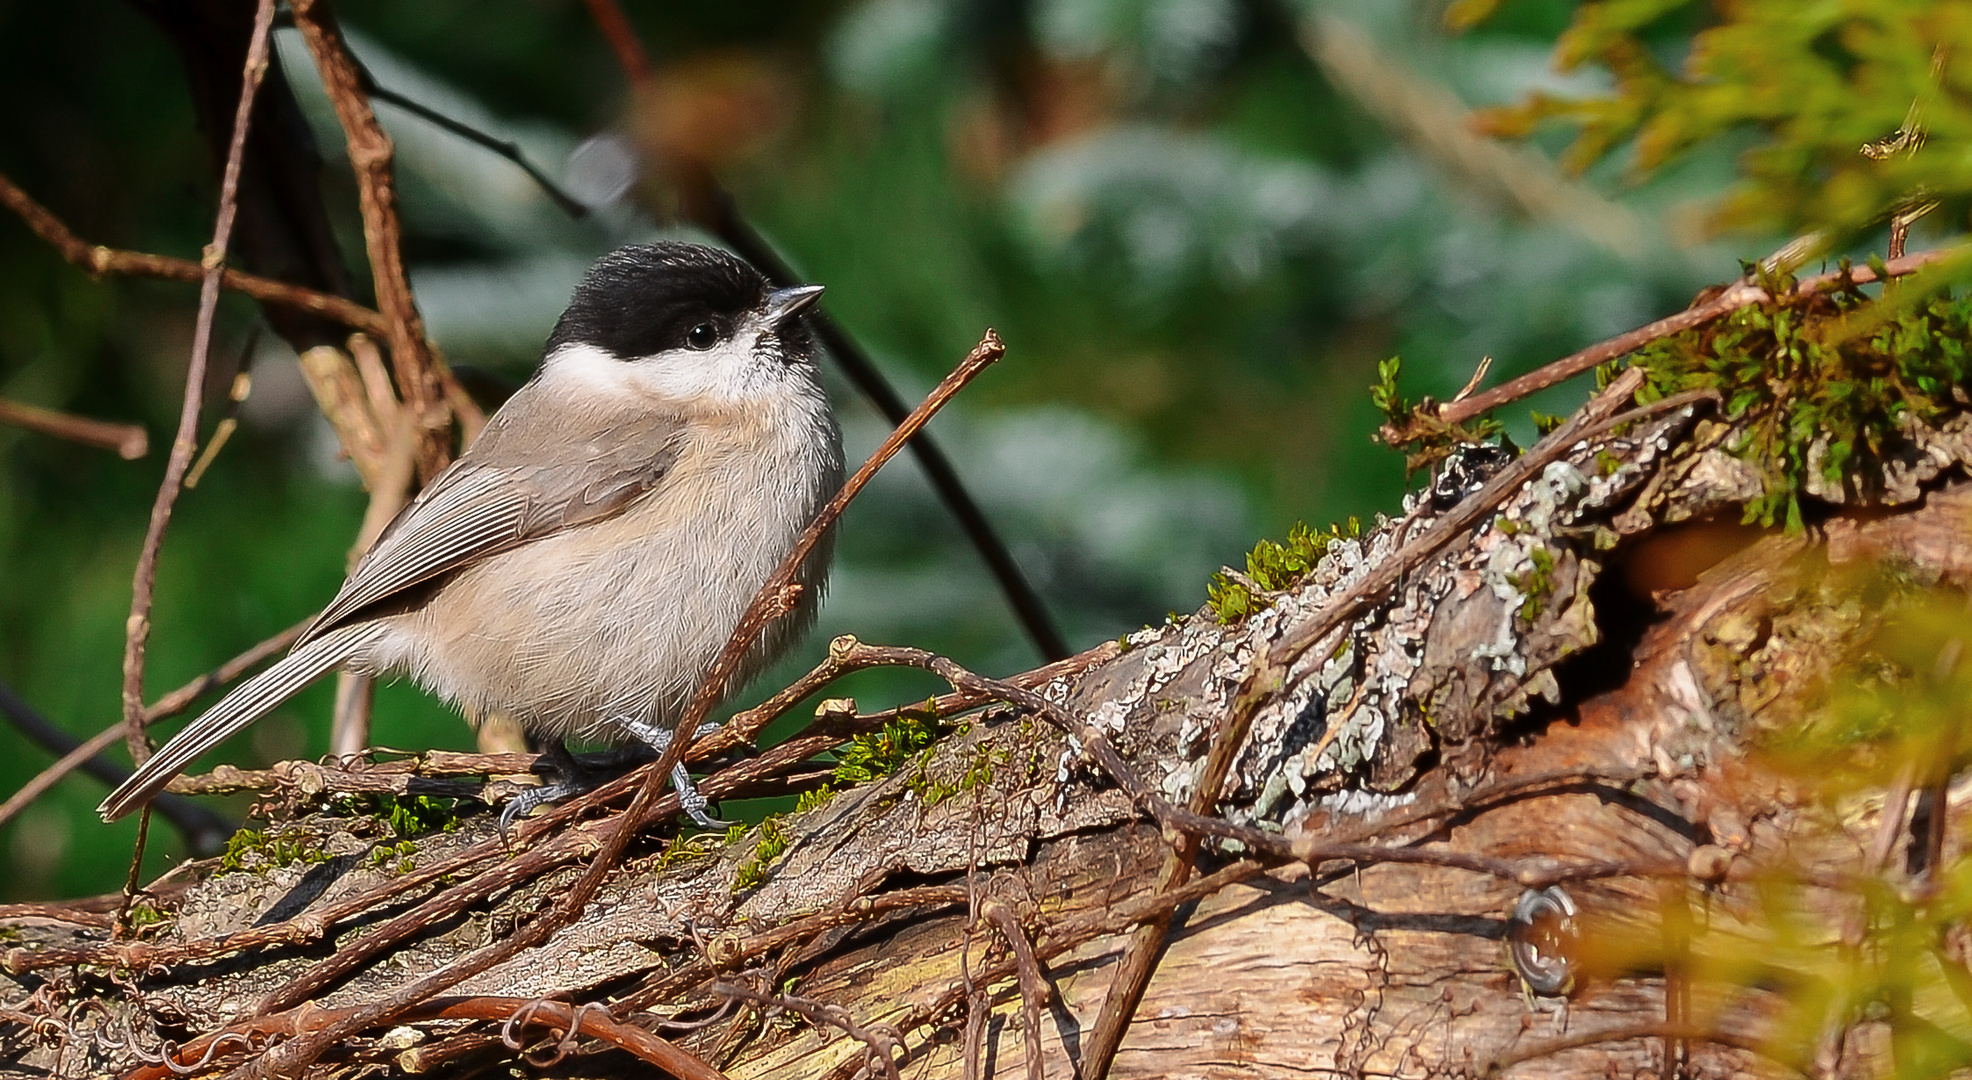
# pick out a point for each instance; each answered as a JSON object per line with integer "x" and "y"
{"x": 420, "y": 381}
{"x": 1738, "y": 296}
{"x": 99, "y": 261}
{"x": 130, "y": 441}
{"x": 185, "y": 443}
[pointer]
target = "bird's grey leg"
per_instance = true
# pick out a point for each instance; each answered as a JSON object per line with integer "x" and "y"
{"x": 574, "y": 781}
{"x": 659, "y": 740}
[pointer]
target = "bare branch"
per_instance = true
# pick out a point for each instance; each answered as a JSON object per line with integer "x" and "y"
{"x": 98, "y": 261}
{"x": 130, "y": 441}
{"x": 1738, "y": 296}
{"x": 419, "y": 379}
{"x": 138, "y": 629}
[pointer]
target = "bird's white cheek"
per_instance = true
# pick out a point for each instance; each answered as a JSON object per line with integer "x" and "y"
{"x": 728, "y": 372}
{"x": 577, "y": 369}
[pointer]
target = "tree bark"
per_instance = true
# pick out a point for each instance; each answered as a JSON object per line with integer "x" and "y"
{"x": 1571, "y": 708}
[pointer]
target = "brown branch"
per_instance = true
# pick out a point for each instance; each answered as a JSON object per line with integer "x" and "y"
{"x": 615, "y": 26}
{"x": 1308, "y": 849}
{"x": 99, "y": 260}
{"x": 880, "y": 1041}
{"x": 308, "y": 1020}
{"x": 770, "y": 602}
{"x": 1033, "y": 988}
{"x": 727, "y": 953}
{"x": 1454, "y": 523}
{"x": 138, "y": 629}
{"x": 1627, "y": 1033}
{"x": 420, "y": 381}
{"x": 846, "y": 655}
{"x": 61, "y": 913}
{"x": 1069, "y": 934}
{"x": 130, "y": 441}
{"x": 705, "y": 203}
{"x": 170, "y": 704}
{"x": 1146, "y": 943}
{"x": 1738, "y": 296}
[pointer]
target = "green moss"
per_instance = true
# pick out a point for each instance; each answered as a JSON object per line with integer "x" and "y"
{"x": 814, "y": 799}
{"x": 396, "y": 856}
{"x": 1832, "y": 367}
{"x": 752, "y": 871}
{"x": 144, "y": 915}
{"x": 1417, "y": 429}
{"x": 1535, "y": 584}
{"x": 1274, "y": 567}
{"x": 867, "y": 757}
{"x": 980, "y": 768}
{"x": 682, "y": 848}
{"x": 251, "y": 849}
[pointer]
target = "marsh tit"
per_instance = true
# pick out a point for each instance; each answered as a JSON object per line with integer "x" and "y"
{"x": 582, "y": 564}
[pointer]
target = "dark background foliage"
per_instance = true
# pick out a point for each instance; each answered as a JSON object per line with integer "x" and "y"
{"x": 1196, "y": 235}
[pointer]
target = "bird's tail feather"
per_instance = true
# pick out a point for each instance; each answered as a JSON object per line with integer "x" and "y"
{"x": 248, "y": 702}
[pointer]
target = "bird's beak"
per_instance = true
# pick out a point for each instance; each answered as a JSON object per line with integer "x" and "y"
{"x": 785, "y": 304}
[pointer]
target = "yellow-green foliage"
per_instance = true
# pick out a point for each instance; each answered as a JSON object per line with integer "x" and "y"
{"x": 1416, "y": 428}
{"x": 1901, "y": 706}
{"x": 251, "y": 849}
{"x": 397, "y": 856}
{"x": 1832, "y": 366}
{"x": 1274, "y": 567}
{"x": 866, "y": 757}
{"x": 813, "y": 799}
{"x": 1535, "y": 584}
{"x": 753, "y": 870}
{"x": 417, "y": 814}
{"x": 1800, "y": 86}
{"x": 682, "y": 848}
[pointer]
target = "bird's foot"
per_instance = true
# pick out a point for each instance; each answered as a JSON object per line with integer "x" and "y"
{"x": 573, "y": 780}
{"x": 659, "y": 740}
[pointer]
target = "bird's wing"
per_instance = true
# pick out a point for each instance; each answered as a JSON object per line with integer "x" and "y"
{"x": 512, "y": 487}
{"x": 248, "y": 702}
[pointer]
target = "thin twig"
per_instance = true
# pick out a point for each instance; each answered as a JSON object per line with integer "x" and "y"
{"x": 568, "y": 204}
{"x": 169, "y": 705}
{"x": 844, "y": 656}
{"x": 204, "y": 831}
{"x": 1146, "y": 943}
{"x": 594, "y": 1022}
{"x": 99, "y": 260}
{"x": 130, "y": 441}
{"x": 708, "y": 205}
{"x": 60, "y": 913}
{"x": 122, "y": 927}
{"x": 772, "y": 601}
{"x": 138, "y": 629}
{"x": 229, "y": 421}
{"x": 1033, "y": 988}
{"x": 420, "y": 383}
{"x": 881, "y": 1042}
{"x": 1028, "y": 607}
{"x": 1738, "y": 296}
{"x": 615, "y": 26}
{"x": 1072, "y": 933}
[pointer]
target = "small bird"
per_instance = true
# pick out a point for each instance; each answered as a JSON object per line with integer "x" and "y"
{"x": 581, "y": 565}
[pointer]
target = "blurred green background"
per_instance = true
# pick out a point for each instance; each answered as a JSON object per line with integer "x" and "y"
{"x": 1198, "y": 225}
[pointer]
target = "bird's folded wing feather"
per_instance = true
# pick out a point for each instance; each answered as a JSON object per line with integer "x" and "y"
{"x": 502, "y": 494}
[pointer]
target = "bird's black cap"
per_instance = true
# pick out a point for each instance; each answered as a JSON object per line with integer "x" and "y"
{"x": 643, "y": 299}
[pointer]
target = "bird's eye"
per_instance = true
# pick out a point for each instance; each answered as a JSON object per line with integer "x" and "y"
{"x": 702, "y": 336}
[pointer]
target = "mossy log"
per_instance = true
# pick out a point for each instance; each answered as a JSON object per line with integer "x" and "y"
{"x": 1587, "y": 707}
